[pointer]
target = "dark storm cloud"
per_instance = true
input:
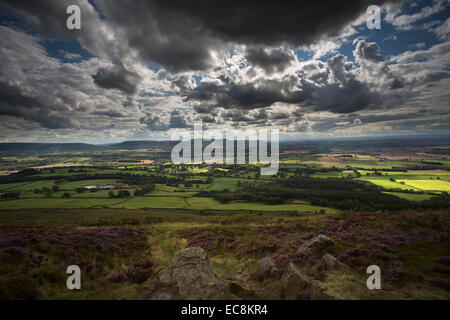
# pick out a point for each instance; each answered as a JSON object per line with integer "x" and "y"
{"x": 179, "y": 34}
{"x": 260, "y": 94}
{"x": 109, "y": 113}
{"x": 164, "y": 121}
{"x": 368, "y": 55}
{"x": 338, "y": 90}
{"x": 184, "y": 82}
{"x": 352, "y": 97}
{"x": 368, "y": 51}
{"x": 275, "y": 60}
{"x": 177, "y": 119}
{"x": 154, "y": 122}
{"x": 14, "y": 103}
{"x": 117, "y": 77}
{"x": 345, "y": 95}
{"x": 50, "y": 17}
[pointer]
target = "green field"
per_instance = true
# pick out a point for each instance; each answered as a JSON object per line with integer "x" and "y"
{"x": 82, "y": 183}
{"x": 226, "y": 183}
{"x": 168, "y": 202}
{"x": 429, "y": 185}
{"x": 326, "y": 175}
{"x": 387, "y": 184}
{"x": 208, "y": 203}
{"x": 56, "y": 203}
{"x": 411, "y": 196}
{"x": 152, "y": 202}
{"x": 23, "y": 186}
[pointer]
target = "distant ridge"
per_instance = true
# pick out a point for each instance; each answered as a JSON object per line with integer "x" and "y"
{"x": 317, "y": 146}
{"x": 46, "y": 148}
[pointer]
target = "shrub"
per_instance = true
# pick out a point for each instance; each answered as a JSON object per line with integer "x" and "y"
{"x": 19, "y": 287}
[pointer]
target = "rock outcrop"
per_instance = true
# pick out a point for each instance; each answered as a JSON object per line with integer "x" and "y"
{"x": 298, "y": 286}
{"x": 316, "y": 242}
{"x": 331, "y": 262}
{"x": 191, "y": 276}
{"x": 267, "y": 269}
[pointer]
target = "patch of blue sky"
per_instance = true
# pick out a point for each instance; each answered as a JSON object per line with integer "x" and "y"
{"x": 391, "y": 39}
{"x": 56, "y": 48}
{"x": 153, "y": 66}
{"x": 197, "y": 79}
{"x": 66, "y": 50}
{"x": 7, "y": 18}
{"x": 100, "y": 12}
{"x": 304, "y": 55}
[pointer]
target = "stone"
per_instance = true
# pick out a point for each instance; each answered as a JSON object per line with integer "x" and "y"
{"x": 242, "y": 292}
{"x": 318, "y": 292}
{"x": 267, "y": 268}
{"x": 296, "y": 283}
{"x": 316, "y": 242}
{"x": 331, "y": 262}
{"x": 165, "y": 276}
{"x": 191, "y": 275}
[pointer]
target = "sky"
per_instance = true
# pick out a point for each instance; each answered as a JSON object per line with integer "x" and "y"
{"x": 140, "y": 69}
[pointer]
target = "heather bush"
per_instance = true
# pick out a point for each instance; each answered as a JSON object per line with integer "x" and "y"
{"x": 118, "y": 277}
{"x": 18, "y": 288}
{"x": 138, "y": 274}
{"x": 443, "y": 283}
{"x": 445, "y": 260}
{"x": 211, "y": 241}
{"x": 44, "y": 254}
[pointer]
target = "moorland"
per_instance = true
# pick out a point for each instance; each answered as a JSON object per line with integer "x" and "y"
{"x": 121, "y": 212}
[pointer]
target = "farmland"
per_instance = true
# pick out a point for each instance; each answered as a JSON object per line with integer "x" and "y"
{"x": 135, "y": 206}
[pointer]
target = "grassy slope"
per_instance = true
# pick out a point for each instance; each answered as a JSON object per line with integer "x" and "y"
{"x": 408, "y": 247}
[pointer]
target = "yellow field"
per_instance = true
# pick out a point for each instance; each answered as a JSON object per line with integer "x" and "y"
{"x": 392, "y": 185}
{"x": 429, "y": 185}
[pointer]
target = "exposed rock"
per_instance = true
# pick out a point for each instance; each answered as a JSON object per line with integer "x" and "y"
{"x": 331, "y": 262}
{"x": 267, "y": 268}
{"x": 296, "y": 284}
{"x": 242, "y": 292}
{"x": 318, "y": 292}
{"x": 192, "y": 274}
{"x": 316, "y": 242}
{"x": 165, "y": 276}
{"x": 165, "y": 291}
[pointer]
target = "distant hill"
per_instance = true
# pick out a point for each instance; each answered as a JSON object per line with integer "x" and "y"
{"x": 430, "y": 144}
{"x": 40, "y": 148}
{"x": 46, "y": 148}
{"x": 135, "y": 145}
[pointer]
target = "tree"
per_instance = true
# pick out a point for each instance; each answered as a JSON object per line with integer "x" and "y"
{"x": 66, "y": 195}
{"x": 55, "y": 188}
{"x": 11, "y": 195}
{"x": 137, "y": 193}
{"x": 149, "y": 187}
{"x": 111, "y": 194}
{"x": 123, "y": 194}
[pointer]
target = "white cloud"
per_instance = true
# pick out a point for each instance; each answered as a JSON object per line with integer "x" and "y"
{"x": 406, "y": 22}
